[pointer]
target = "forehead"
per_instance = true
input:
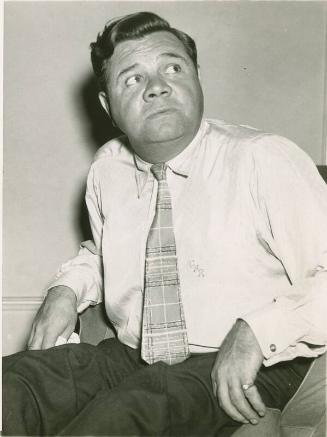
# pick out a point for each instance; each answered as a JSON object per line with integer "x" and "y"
{"x": 147, "y": 48}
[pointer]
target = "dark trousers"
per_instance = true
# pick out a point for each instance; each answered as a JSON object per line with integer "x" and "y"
{"x": 108, "y": 390}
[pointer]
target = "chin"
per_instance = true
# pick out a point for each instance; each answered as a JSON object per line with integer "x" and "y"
{"x": 165, "y": 131}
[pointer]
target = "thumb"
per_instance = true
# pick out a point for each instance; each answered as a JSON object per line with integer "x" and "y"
{"x": 69, "y": 329}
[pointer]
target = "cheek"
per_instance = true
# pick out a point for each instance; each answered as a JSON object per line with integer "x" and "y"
{"x": 126, "y": 113}
{"x": 189, "y": 90}
{"x": 130, "y": 103}
{"x": 121, "y": 105}
{"x": 192, "y": 98}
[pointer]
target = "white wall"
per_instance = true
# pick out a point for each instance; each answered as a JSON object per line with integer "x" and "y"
{"x": 262, "y": 63}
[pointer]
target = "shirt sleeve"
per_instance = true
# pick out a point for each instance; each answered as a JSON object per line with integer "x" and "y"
{"x": 84, "y": 273}
{"x": 292, "y": 197}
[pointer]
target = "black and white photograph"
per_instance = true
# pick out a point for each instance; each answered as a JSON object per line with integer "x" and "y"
{"x": 164, "y": 218}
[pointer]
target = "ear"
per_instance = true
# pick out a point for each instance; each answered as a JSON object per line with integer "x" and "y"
{"x": 106, "y": 106}
{"x": 199, "y": 74}
{"x": 104, "y": 102}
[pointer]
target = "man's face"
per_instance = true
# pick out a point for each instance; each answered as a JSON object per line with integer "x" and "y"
{"x": 155, "y": 96}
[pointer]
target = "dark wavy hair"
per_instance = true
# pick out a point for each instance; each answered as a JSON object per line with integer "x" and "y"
{"x": 131, "y": 27}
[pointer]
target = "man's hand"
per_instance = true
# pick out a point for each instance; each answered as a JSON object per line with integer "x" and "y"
{"x": 237, "y": 364}
{"x": 56, "y": 316}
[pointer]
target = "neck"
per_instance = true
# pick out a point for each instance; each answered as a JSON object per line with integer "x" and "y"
{"x": 159, "y": 152}
{"x": 155, "y": 152}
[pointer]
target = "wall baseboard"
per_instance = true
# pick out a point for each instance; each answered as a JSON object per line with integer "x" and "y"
{"x": 21, "y": 303}
{"x": 18, "y": 313}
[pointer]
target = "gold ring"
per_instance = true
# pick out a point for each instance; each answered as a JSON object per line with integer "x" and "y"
{"x": 247, "y": 386}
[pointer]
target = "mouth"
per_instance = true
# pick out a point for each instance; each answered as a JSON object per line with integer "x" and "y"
{"x": 161, "y": 112}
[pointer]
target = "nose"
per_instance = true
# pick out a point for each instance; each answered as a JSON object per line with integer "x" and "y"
{"x": 156, "y": 87}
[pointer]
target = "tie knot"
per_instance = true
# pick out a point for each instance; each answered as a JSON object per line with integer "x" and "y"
{"x": 159, "y": 171}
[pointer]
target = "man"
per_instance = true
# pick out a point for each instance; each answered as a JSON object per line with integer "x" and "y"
{"x": 211, "y": 248}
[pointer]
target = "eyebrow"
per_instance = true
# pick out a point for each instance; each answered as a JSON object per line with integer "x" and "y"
{"x": 165, "y": 55}
{"x": 126, "y": 70}
{"x": 174, "y": 55}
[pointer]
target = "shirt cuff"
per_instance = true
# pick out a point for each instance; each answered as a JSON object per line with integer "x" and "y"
{"x": 276, "y": 327}
{"x": 86, "y": 294}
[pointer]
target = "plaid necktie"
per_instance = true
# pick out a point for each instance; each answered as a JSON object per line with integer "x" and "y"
{"x": 164, "y": 336}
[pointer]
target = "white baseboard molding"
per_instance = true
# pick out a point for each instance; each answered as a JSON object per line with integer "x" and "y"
{"x": 18, "y": 313}
{"x": 21, "y": 303}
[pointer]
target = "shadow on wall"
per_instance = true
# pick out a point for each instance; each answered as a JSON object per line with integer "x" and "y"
{"x": 98, "y": 126}
{"x": 98, "y": 130}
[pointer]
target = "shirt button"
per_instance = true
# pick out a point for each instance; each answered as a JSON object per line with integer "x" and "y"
{"x": 273, "y": 348}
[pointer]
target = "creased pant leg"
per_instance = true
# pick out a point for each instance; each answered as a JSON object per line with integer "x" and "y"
{"x": 45, "y": 390}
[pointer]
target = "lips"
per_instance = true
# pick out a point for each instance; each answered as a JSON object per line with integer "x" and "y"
{"x": 160, "y": 112}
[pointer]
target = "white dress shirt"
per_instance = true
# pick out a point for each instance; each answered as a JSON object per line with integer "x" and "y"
{"x": 250, "y": 222}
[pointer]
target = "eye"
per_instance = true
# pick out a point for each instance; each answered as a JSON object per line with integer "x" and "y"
{"x": 173, "y": 69}
{"x": 133, "y": 80}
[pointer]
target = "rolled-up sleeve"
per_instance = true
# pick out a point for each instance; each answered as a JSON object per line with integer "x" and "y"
{"x": 84, "y": 273}
{"x": 293, "y": 198}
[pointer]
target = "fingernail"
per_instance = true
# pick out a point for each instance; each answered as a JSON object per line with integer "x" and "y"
{"x": 261, "y": 413}
{"x": 254, "y": 421}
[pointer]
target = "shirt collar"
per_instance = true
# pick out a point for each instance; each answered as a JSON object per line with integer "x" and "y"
{"x": 180, "y": 164}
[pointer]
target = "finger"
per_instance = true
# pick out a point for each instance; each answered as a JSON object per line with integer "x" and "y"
{"x": 67, "y": 332}
{"x": 50, "y": 338}
{"x": 253, "y": 396}
{"x": 214, "y": 387}
{"x": 36, "y": 341}
{"x": 240, "y": 402}
{"x": 31, "y": 337}
{"x": 226, "y": 404}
